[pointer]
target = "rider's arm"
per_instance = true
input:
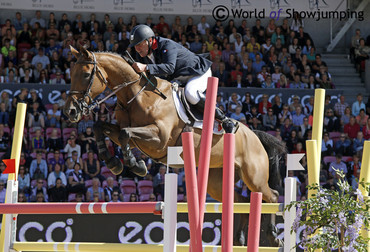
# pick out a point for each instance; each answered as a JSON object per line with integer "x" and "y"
{"x": 167, "y": 66}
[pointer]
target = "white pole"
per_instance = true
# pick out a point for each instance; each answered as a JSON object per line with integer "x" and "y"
{"x": 10, "y": 219}
{"x": 290, "y": 195}
{"x": 170, "y": 212}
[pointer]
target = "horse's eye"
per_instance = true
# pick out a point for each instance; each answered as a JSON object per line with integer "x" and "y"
{"x": 86, "y": 75}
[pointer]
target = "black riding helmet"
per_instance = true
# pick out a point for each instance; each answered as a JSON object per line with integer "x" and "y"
{"x": 140, "y": 33}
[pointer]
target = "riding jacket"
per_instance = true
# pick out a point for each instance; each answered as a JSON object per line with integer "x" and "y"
{"x": 172, "y": 60}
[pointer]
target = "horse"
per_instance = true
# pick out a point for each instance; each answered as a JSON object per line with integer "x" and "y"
{"x": 149, "y": 122}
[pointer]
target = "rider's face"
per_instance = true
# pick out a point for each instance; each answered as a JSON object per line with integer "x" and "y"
{"x": 142, "y": 48}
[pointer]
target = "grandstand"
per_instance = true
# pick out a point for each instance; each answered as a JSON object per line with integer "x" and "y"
{"x": 267, "y": 70}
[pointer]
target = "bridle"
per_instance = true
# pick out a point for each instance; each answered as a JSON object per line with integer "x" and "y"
{"x": 82, "y": 104}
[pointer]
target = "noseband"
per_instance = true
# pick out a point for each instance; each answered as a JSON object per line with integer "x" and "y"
{"x": 83, "y": 106}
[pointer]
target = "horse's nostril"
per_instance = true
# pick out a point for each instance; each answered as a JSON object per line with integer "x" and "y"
{"x": 72, "y": 112}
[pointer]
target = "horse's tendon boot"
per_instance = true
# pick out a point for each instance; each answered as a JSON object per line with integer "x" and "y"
{"x": 137, "y": 167}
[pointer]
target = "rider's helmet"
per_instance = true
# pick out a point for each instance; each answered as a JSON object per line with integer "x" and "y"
{"x": 140, "y": 33}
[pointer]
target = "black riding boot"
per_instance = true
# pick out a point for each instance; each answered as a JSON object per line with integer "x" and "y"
{"x": 227, "y": 124}
{"x": 137, "y": 167}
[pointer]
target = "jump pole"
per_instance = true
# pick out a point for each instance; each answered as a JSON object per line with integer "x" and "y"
{"x": 228, "y": 193}
{"x": 192, "y": 191}
{"x": 365, "y": 175}
{"x": 9, "y": 221}
{"x": 206, "y": 144}
{"x": 254, "y": 222}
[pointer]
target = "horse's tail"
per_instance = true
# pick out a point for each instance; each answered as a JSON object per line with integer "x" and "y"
{"x": 275, "y": 149}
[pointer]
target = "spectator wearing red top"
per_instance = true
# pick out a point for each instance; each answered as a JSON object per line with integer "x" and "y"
{"x": 264, "y": 105}
{"x": 161, "y": 25}
{"x": 351, "y": 128}
{"x": 366, "y": 129}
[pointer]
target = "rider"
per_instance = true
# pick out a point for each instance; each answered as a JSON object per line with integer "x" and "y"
{"x": 167, "y": 59}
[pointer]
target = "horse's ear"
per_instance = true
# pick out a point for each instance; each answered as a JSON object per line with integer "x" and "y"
{"x": 85, "y": 52}
{"x": 74, "y": 51}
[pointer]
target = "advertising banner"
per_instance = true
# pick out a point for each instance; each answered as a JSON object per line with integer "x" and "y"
{"x": 50, "y": 93}
{"x": 236, "y": 8}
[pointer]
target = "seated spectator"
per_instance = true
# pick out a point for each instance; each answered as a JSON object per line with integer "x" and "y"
{"x": 251, "y": 82}
{"x": 57, "y": 174}
{"x": 38, "y": 192}
{"x": 283, "y": 82}
{"x": 327, "y": 145}
{"x": 196, "y": 46}
{"x": 297, "y": 82}
{"x": 261, "y": 77}
{"x": 358, "y": 143}
{"x": 269, "y": 120}
{"x": 264, "y": 104}
{"x": 284, "y": 114}
{"x": 57, "y": 159}
{"x": 344, "y": 119}
{"x": 72, "y": 146}
{"x": 340, "y": 106}
{"x": 297, "y": 118}
{"x": 361, "y": 54}
{"x": 38, "y": 142}
{"x": 277, "y": 106}
{"x": 95, "y": 189}
{"x": 298, "y": 148}
{"x": 358, "y": 105}
{"x": 268, "y": 83}
{"x": 276, "y": 75}
{"x": 343, "y": 145}
{"x": 331, "y": 122}
{"x": 41, "y": 58}
{"x": 71, "y": 161}
{"x": 320, "y": 74}
{"x": 292, "y": 141}
{"x": 354, "y": 166}
{"x": 238, "y": 83}
{"x": 54, "y": 142}
{"x": 133, "y": 197}
{"x": 22, "y": 198}
{"x": 116, "y": 198}
{"x": 337, "y": 165}
{"x": 36, "y": 119}
{"x": 7, "y": 47}
{"x": 152, "y": 197}
{"x": 361, "y": 119}
{"x": 286, "y": 129}
{"x": 351, "y": 128}
{"x": 39, "y": 167}
{"x": 58, "y": 193}
{"x": 4, "y": 139}
{"x": 326, "y": 83}
{"x": 58, "y": 79}
{"x": 317, "y": 63}
{"x": 366, "y": 129}
{"x": 111, "y": 189}
{"x": 3, "y": 176}
{"x": 86, "y": 122}
{"x": 158, "y": 181}
{"x": 253, "y": 114}
{"x": 88, "y": 141}
{"x": 27, "y": 78}
{"x": 24, "y": 181}
{"x": 234, "y": 73}
{"x": 76, "y": 183}
{"x": 233, "y": 103}
{"x": 247, "y": 103}
{"x": 2, "y": 191}
{"x": 258, "y": 64}
{"x": 238, "y": 115}
{"x": 92, "y": 167}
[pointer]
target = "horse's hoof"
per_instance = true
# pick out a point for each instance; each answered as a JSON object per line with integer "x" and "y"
{"x": 115, "y": 166}
{"x": 140, "y": 168}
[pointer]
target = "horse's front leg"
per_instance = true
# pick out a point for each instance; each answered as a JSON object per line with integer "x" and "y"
{"x": 147, "y": 133}
{"x": 101, "y": 131}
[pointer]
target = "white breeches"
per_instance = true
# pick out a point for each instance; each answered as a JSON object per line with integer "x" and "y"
{"x": 195, "y": 84}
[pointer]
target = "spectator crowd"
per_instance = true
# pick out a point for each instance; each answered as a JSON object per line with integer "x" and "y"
{"x": 59, "y": 161}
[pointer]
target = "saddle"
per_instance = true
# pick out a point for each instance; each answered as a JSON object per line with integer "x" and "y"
{"x": 188, "y": 113}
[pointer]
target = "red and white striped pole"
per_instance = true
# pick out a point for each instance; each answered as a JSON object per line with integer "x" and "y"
{"x": 228, "y": 193}
{"x": 254, "y": 222}
{"x": 192, "y": 191}
{"x": 206, "y": 144}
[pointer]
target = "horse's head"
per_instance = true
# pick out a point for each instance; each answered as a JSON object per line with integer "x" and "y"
{"x": 88, "y": 80}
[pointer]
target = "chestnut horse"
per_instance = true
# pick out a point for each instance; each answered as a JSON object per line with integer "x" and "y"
{"x": 149, "y": 122}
